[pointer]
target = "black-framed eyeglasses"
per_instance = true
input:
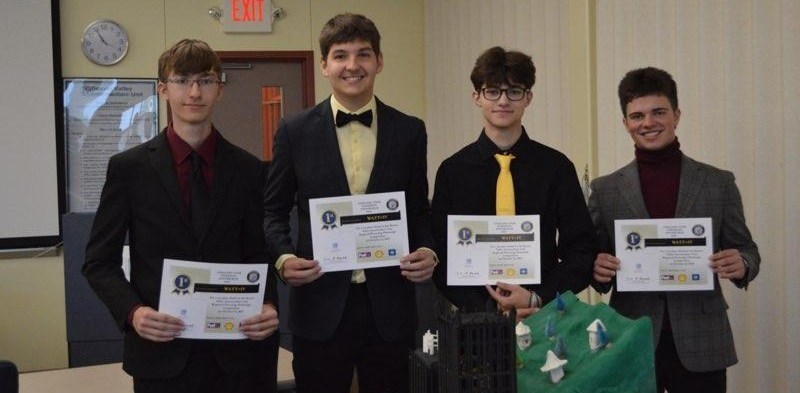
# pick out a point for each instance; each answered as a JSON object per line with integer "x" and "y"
{"x": 204, "y": 82}
{"x": 512, "y": 93}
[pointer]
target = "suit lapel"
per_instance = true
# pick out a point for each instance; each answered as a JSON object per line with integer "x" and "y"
{"x": 631, "y": 190}
{"x": 161, "y": 160}
{"x": 332, "y": 155}
{"x": 692, "y": 178}
{"x": 385, "y": 140}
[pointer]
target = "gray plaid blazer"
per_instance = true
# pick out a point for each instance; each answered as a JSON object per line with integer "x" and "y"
{"x": 698, "y": 319}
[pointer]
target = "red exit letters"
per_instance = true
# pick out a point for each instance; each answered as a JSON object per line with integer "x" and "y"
{"x": 247, "y": 10}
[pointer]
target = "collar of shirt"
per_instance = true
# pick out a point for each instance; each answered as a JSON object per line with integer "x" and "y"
{"x": 357, "y": 146}
{"x": 487, "y": 149}
{"x": 181, "y": 150}
{"x": 371, "y": 105}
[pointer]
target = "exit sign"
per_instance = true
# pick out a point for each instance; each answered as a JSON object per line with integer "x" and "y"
{"x": 246, "y": 16}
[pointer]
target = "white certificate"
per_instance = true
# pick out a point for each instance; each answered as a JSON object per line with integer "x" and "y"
{"x": 359, "y": 231}
{"x": 664, "y": 254}
{"x": 487, "y": 249}
{"x": 212, "y": 298}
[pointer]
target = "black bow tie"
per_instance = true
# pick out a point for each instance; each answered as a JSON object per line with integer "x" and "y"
{"x": 364, "y": 118}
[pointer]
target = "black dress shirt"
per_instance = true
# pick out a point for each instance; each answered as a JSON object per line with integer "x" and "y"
{"x": 545, "y": 183}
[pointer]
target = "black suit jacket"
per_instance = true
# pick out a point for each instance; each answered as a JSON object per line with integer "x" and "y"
{"x": 307, "y": 164}
{"x": 141, "y": 198}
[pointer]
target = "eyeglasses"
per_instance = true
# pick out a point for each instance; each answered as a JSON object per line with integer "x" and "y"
{"x": 203, "y": 83}
{"x": 512, "y": 93}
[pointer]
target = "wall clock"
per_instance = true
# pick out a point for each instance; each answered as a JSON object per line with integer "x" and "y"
{"x": 104, "y": 42}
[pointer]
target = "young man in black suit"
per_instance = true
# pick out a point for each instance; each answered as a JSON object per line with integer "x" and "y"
{"x": 149, "y": 196}
{"x": 543, "y": 181}
{"x": 363, "y": 319}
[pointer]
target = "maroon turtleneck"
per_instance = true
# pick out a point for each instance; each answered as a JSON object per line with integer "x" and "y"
{"x": 660, "y": 177}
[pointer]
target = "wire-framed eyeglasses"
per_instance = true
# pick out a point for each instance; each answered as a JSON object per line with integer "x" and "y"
{"x": 512, "y": 93}
{"x": 203, "y": 83}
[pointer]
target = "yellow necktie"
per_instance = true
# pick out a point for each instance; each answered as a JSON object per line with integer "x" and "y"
{"x": 505, "y": 186}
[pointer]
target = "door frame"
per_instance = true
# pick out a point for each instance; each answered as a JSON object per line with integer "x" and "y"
{"x": 304, "y": 58}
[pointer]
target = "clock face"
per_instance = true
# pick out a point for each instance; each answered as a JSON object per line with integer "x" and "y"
{"x": 104, "y": 42}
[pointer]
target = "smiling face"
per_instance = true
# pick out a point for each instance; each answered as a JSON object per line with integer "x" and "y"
{"x": 502, "y": 115}
{"x": 651, "y": 121}
{"x": 351, "y": 68}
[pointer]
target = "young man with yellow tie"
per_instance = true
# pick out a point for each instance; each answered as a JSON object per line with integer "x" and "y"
{"x": 505, "y": 172}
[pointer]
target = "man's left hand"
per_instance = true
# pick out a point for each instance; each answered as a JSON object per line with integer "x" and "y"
{"x": 728, "y": 264}
{"x": 262, "y": 325}
{"x": 418, "y": 266}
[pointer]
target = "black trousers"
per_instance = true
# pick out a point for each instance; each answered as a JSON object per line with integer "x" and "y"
{"x": 204, "y": 375}
{"x": 675, "y": 378}
{"x": 327, "y": 366}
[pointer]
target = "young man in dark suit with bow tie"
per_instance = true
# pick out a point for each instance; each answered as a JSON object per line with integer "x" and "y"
{"x": 187, "y": 194}
{"x": 351, "y": 143}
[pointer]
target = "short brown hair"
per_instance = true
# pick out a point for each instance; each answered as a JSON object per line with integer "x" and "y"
{"x": 188, "y": 57}
{"x": 647, "y": 81}
{"x": 348, "y": 27}
{"x": 496, "y": 66}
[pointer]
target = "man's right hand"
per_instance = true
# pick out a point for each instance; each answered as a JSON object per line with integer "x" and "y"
{"x": 156, "y": 326}
{"x": 605, "y": 267}
{"x": 300, "y": 271}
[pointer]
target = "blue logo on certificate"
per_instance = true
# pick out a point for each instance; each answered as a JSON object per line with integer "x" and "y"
{"x": 182, "y": 283}
{"x": 695, "y": 277}
{"x": 392, "y": 252}
{"x": 523, "y": 270}
{"x": 465, "y": 236}
{"x": 328, "y": 219}
{"x": 634, "y": 240}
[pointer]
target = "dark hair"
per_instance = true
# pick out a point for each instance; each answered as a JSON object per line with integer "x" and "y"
{"x": 348, "y": 27}
{"x": 647, "y": 82}
{"x": 188, "y": 57}
{"x": 496, "y": 66}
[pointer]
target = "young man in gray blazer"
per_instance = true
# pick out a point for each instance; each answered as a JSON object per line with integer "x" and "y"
{"x": 351, "y": 143}
{"x": 693, "y": 339}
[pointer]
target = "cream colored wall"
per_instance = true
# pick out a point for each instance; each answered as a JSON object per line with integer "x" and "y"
{"x": 33, "y": 328}
{"x": 33, "y": 331}
{"x": 402, "y": 27}
{"x": 558, "y": 35}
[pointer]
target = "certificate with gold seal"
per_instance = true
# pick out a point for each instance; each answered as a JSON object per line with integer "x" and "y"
{"x": 212, "y": 298}
{"x": 664, "y": 254}
{"x": 359, "y": 231}
{"x": 487, "y": 249}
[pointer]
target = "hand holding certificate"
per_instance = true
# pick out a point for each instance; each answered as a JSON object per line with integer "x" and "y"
{"x": 213, "y": 299}
{"x": 664, "y": 254}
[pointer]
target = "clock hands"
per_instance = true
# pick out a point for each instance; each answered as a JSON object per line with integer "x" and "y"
{"x": 102, "y": 39}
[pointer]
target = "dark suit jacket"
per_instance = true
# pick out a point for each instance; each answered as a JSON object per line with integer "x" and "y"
{"x": 141, "y": 198}
{"x": 545, "y": 183}
{"x": 307, "y": 164}
{"x": 698, "y": 319}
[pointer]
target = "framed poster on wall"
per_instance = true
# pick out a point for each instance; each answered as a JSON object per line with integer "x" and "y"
{"x": 103, "y": 117}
